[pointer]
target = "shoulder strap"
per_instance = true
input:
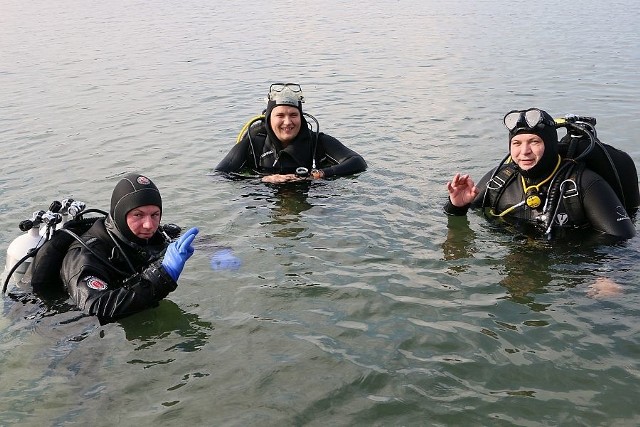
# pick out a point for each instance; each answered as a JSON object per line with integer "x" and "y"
{"x": 498, "y": 184}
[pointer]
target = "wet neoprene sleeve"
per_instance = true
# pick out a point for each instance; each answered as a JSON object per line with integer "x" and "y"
{"x": 602, "y": 207}
{"x": 236, "y": 158}
{"x": 346, "y": 161}
{"x": 101, "y": 291}
{"x": 115, "y": 301}
{"x": 143, "y": 292}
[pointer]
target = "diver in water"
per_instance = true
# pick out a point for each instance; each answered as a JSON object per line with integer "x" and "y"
{"x": 538, "y": 186}
{"x": 281, "y": 146}
{"x": 124, "y": 262}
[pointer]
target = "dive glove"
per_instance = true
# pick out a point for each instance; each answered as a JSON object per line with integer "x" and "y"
{"x": 178, "y": 253}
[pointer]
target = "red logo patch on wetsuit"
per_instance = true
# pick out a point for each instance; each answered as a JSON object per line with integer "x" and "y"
{"x": 95, "y": 283}
{"x": 143, "y": 180}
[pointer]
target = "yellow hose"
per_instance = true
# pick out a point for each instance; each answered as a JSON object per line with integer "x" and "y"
{"x": 246, "y": 126}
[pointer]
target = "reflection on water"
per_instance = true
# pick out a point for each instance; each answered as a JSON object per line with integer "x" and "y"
{"x": 531, "y": 264}
{"x": 149, "y": 327}
{"x": 460, "y": 244}
{"x": 288, "y": 202}
{"x": 146, "y": 326}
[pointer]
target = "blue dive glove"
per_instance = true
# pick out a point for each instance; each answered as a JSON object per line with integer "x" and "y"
{"x": 178, "y": 253}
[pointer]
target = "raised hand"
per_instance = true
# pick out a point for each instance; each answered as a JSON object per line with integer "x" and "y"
{"x": 178, "y": 253}
{"x": 462, "y": 190}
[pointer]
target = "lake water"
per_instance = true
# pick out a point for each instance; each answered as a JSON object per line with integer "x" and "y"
{"x": 357, "y": 302}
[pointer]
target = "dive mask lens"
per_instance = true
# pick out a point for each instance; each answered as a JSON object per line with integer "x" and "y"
{"x": 276, "y": 87}
{"x": 533, "y": 117}
{"x": 279, "y": 87}
{"x": 529, "y": 118}
{"x": 286, "y": 94}
{"x": 511, "y": 119}
{"x": 295, "y": 87}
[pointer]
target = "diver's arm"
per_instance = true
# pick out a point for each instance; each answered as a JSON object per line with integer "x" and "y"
{"x": 98, "y": 292}
{"x": 603, "y": 209}
{"x": 237, "y": 158}
{"x": 346, "y": 161}
{"x": 139, "y": 293}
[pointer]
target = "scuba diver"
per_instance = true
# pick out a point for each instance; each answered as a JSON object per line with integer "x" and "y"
{"x": 281, "y": 146}
{"x": 118, "y": 264}
{"x": 554, "y": 186}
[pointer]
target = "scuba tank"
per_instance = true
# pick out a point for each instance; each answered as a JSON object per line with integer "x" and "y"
{"x": 19, "y": 248}
{"x": 38, "y": 231}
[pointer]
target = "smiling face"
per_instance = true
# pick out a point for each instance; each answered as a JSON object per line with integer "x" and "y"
{"x": 143, "y": 221}
{"x": 526, "y": 150}
{"x": 285, "y": 123}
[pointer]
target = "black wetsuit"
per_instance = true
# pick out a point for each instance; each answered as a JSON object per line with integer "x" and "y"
{"x": 598, "y": 207}
{"x": 99, "y": 290}
{"x": 264, "y": 154}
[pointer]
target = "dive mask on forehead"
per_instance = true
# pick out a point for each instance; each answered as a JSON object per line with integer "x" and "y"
{"x": 527, "y": 119}
{"x": 285, "y": 93}
{"x": 279, "y": 87}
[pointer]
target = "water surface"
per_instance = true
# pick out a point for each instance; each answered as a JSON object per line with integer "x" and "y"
{"x": 358, "y": 302}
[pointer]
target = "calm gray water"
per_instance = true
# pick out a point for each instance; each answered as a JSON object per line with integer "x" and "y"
{"x": 357, "y": 303}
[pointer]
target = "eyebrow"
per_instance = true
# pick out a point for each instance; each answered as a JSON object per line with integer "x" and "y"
{"x": 137, "y": 210}
{"x": 529, "y": 138}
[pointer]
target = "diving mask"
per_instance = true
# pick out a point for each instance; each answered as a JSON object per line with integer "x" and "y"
{"x": 286, "y": 94}
{"x": 527, "y": 119}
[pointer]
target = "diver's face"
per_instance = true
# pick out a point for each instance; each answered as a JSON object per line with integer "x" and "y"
{"x": 285, "y": 122}
{"x": 143, "y": 221}
{"x": 526, "y": 150}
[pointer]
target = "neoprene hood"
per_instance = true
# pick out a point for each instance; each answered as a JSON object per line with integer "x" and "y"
{"x": 132, "y": 191}
{"x": 549, "y": 135}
